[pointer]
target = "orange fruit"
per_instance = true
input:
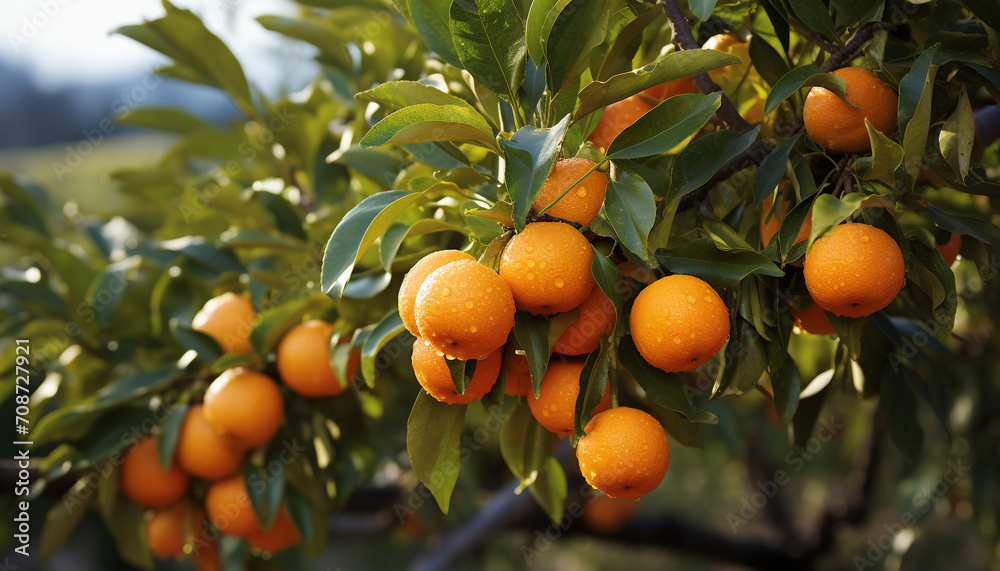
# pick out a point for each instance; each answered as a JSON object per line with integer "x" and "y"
{"x": 203, "y": 452}
{"x": 547, "y": 267}
{"x": 624, "y": 453}
{"x": 169, "y": 529}
{"x": 555, "y": 407}
{"x": 630, "y": 270}
{"x": 282, "y": 535}
{"x": 304, "y": 360}
{"x": 580, "y": 205}
{"x": 678, "y": 323}
{"x": 950, "y": 249}
{"x": 616, "y": 118}
{"x": 839, "y": 127}
{"x": 731, "y": 44}
{"x": 608, "y": 515}
{"x": 205, "y": 556}
{"x": 770, "y": 222}
{"x": 244, "y": 405}
{"x": 144, "y": 481}
{"x": 465, "y": 310}
{"x": 597, "y": 319}
{"x": 517, "y": 375}
{"x": 854, "y": 271}
{"x": 415, "y": 278}
{"x": 228, "y": 319}
{"x": 431, "y": 370}
{"x": 667, "y": 90}
{"x": 229, "y": 509}
{"x": 812, "y": 319}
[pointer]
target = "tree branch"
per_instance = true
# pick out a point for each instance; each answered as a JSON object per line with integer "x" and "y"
{"x": 813, "y": 37}
{"x": 841, "y": 56}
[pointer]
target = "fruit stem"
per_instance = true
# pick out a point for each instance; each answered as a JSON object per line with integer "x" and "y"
{"x": 572, "y": 186}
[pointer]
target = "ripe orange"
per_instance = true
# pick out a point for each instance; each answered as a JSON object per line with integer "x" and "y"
{"x": 608, "y": 515}
{"x": 839, "y": 127}
{"x": 282, "y": 535}
{"x": 597, "y": 319}
{"x": 950, "y": 249}
{"x": 433, "y": 374}
{"x": 547, "y": 267}
{"x": 465, "y": 310}
{"x": 244, "y": 405}
{"x": 625, "y": 453}
{"x": 168, "y": 529}
{"x": 770, "y": 222}
{"x": 580, "y": 205}
{"x": 304, "y": 360}
{"x": 205, "y": 556}
{"x": 228, "y": 319}
{"x": 229, "y": 509}
{"x": 555, "y": 407}
{"x": 203, "y": 452}
{"x": 732, "y": 44}
{"x": 616, "y": 118}
{"x": 517, "y": 375}
{"x": 667, "y": 90}
{"x": 678, "y": 323}
{"x": 415, "y": 278}
{"x": 630, "y": 270}
{"x": 812, "y": 319}
{"x": 145, "y": 482}
{"x": 854, "y": 271}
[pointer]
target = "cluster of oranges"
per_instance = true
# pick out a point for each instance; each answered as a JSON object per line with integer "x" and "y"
{"x": 242, "y": 410}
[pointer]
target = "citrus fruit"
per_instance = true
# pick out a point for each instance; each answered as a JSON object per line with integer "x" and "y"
{"x": 205, "y": 556}
{"x": 228, "y": 319}
{"x": 667, "y": 90}
{"x": 465, "y": 310}
{"x": 770, "y": 222}
{"x": 146, "y": 482}
{"x": 555, "y": 407}
{"x": 678, "y": 323}
{"x": 244, "y": 405}
{"x": 203, "y": 452}
{"x": 624, "y": 453}
{"x": 304, "y": 360}
{"x": 597, "y": 319}
{"x": 630, "y": 270}
{"x": 168, "y": 529}
{"x": 517, "y": 375}
{"x": 812, "y": 319}
{"x": 415, "y": 278}
{"x": 616, "y": 118}
{"x": 729, "y": 43}
{"x": 282, "y": 535}
{"x": 839, "y": 127}
{"x": 854, "y": 271}
{"x": 950, "y": 249}
{"x": 547, "y": 267}
{"x": 431, "y": 370}
{"x": 229, "y": 509}
{"x": 583, "y": 202}
{"x": 608, "y": 515}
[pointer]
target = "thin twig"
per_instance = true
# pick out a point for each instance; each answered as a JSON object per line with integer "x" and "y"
{"x": 842, "y": 55}
{"x": 813, "y": 37}
{"x": 843, "y": 176}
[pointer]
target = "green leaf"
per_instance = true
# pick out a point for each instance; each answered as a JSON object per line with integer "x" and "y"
{"x": 433, "y": 441}
{"x": 63, "y": 518}
{"x": 287, "y": 220}
{"x": 576, "y": 30}
{"x": 979, "y": 229}
{"x": 785, "y": 385}
{"x": 387, "y": 329}
{"x": 702, "y": 8}
{"x": 768, "y": 62}
{"x": 162, "y": 119}
{"x": 489, "y": 38}
{"x": 532, "y": 334}
{"x": 703, "y": 157}
{"x": 539, "y": 25}
{"x": 525, "y": 444}
{"x": 900, "y": 408}
{"x": 331, "y": 45}
{"x": 461, "y": 373}
{"x": 594, "y": 382}
{"x": 266, "y": 484}
{"x": 741, "y": 376}
{"x": 771, "y": 170}
{"x": 828, "y": 211}
{"x": 271, "y": 326}
{"x": 396, "y": 95}
{"x": 550, "y": 489}
{"x": 204, "y": 345}
{"x": 886, "y": 157}
{"x": 915, "y": 92}
{"x": 528, "y": 158}
{"x": 791, "y": 225}
{"x": 170, "y": 431}
{"x": 127, "y": 524}
{"x": 665, "y": 126}
{"x": 424, "y": 122}
{"x": 630, "y": 208}
{"x": 356, "y": 233}
{"x": 704, "y": 259}
{"x": 609, "y": 279}
{"x": 674, "y": 65}
{"x": 181, "y": 36}
{"x": 946, "y": 307}
{"x": 430, "y": 18}
{"x": 664, "y": 389}
{"x": 957, "y": 136}
{"x": 804, "y": 76}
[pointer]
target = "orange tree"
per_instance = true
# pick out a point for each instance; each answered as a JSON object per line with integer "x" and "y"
{"x": 641, "y": 234}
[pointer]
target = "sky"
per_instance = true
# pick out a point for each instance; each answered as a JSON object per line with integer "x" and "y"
{"x": 67, "y": 42}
